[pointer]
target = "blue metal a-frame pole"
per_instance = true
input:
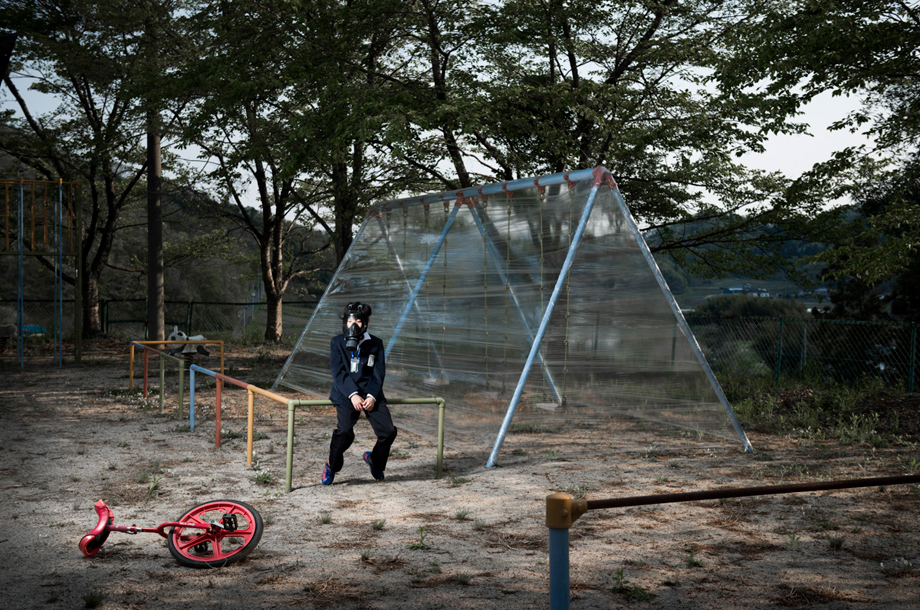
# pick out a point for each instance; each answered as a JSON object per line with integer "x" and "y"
{"x": 495, "y": 258}
{"x": 541, "y": 332}
{"x": 422, "y": 278}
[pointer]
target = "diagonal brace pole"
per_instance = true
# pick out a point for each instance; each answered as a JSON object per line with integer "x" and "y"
{"x": 422, "y": 278}
{"x": 402, "y": 271}
{"x": 495, "y": 258}
{"x": 541, "y": 332}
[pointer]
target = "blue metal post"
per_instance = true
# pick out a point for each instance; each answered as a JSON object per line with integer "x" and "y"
{"x": 402, "y": 271}
{"x": 559, "y": 587}
{"x": 535, "y": 347}
{"x": 495, "y": 258}
{"x": 421, "y": 279}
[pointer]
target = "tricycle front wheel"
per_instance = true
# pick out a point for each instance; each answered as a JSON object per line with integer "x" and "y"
{"x": 214, "y": 547}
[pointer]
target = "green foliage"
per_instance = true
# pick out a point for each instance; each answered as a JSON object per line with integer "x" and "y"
{"x": 798, "y": 50}
{"x": 420, "y": 545}
{"x": 633, "y": 592}
{"x": 263, "y": 478}
{"x": 693, "y": 561}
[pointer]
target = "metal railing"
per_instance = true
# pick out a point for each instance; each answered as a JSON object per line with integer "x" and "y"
{"x": 293, "y": 404}
{"x": 148, "y": 344}
{"x": 147, "y": 350}
{"x": 562, "y": 511}
{"x": 251, "y": 391}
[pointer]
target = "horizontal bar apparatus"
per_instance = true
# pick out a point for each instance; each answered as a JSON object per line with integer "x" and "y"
{"x": 293, "y": 404}
{"x": 163, "y": 355}
{"x": 562, "y": 511}
{"x": 220, "y": 379}
{"x": 149, "y": 343}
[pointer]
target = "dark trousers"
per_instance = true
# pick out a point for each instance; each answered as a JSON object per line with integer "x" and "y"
{"x": 344, "y": 435}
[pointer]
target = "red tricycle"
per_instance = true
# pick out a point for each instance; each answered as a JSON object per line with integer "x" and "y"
{"x": 211, "y": 535}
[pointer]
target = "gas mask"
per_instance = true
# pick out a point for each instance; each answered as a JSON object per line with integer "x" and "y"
{"x": 353, "y": 335}
{"x": 353, "y": 332}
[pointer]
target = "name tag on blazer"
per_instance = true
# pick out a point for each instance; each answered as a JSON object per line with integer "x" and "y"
{"x": 370, "y": 360}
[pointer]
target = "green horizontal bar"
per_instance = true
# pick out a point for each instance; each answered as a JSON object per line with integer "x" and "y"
{"x": 293, "y": 404}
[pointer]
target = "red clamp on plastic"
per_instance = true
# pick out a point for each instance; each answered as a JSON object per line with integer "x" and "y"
{"x": 565, "y": 177}
{"x": 483, "y": 195}
{"x": 507, "y": 192}
{"x": 540, "y": 188}
{"x": 602, "y": 176}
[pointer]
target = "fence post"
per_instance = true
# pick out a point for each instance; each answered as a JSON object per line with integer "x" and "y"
{"x": 913, "y": 357}
{"x": 188, "y": 317}
{"x": 804, "y": 347}
{"x": 779, "y": 351}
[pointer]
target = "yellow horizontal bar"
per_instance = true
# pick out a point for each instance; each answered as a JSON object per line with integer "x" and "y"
{"x": 267, "y": 394}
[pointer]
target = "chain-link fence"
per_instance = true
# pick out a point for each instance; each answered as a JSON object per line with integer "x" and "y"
{"x": 840, "y": 350}
{"x": 844, "y": 351}
{"x": 240, "y": 322}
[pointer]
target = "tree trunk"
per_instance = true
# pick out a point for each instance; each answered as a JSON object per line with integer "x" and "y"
{"x": 273, "y": 317}
{"x": 345, "y": 211}
{"x": 155, "y": 281}
{"x": 92, "y": 315}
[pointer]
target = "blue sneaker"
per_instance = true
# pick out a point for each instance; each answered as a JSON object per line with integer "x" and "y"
{"x": 328, "y": 475}
{"x": 377, "y": 474}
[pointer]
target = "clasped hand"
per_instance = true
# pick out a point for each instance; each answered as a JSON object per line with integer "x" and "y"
{"x": 363, "y": 404}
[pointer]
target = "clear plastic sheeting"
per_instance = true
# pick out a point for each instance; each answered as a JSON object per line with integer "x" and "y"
{"x": 459, "y": 310}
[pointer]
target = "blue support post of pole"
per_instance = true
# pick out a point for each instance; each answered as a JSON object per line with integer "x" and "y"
{"x": 559, "y": 587}
{"x": 561, "y": 513}
{"x": 538, "y": 339}
{"x": 402, "y": 271}
{"x": 421, "y": 279}
{"x": 495, "y": 258}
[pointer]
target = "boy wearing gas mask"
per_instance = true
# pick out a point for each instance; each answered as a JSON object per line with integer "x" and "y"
{"x": 358, "y": 368}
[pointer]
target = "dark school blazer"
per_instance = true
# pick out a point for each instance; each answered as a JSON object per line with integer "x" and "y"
{"x": 366, "y": 380}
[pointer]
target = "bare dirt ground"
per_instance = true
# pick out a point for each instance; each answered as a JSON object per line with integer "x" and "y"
{"x": 70, "y": 436}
